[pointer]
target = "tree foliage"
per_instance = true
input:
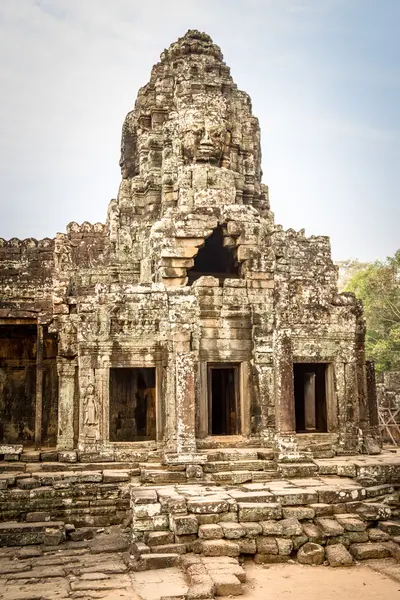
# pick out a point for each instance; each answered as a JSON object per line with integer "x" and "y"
{"x": 378, "y": 286}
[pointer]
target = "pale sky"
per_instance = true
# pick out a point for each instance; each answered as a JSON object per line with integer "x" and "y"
{"x": 323, "y": 75}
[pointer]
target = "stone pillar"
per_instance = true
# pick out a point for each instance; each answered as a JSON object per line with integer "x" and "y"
{"x": 348, "y": 409}
{"x": 371, "y": 394}
{"x": 39, "y": 386}
{"x": 185, "y": 401}
{"x": 284, "y": 385}
{"x": 66, "y": 369}
{"x": 286, "y": 444}
{"x": 309, "y": 402}
{"x": 373, "y": 442}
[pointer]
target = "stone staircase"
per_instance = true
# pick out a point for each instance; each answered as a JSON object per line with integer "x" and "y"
{"x": 226, "y": 466}
{"x": 319, "y": 445}
{"x": 216, "y": 466}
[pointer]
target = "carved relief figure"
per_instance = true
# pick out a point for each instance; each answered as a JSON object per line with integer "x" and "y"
{"x": 90, "y": 407}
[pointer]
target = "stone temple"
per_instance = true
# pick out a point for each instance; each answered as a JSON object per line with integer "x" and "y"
{"x": 189, "y": 321}
{"x": 186, "y": 375}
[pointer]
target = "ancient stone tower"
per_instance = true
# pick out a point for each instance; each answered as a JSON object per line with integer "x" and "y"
{"x": 190, "y": 320}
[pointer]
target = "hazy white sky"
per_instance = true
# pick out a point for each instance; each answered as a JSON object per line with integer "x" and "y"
{"x": 323, "y": 75}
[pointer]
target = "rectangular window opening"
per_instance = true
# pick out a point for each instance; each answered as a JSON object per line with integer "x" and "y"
{"x": 223, "y": 399}
{"x": 310, "y": 397}
{"x": 132, "y": 404}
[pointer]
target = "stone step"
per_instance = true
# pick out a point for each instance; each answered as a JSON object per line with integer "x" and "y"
{"x": 28, "y": 481}
{"x": 232, "y": 454}
{"x": 81, "y": 466}
{"x": 158, "y": 561}
{"x": 162, "y": 476}
{"x": 12, "y": 467}
{"x": 239, "y": 465}
{"x": 293, "y": 470}
{"x": 240, "y": 477}
{"x": 24, "y": 534}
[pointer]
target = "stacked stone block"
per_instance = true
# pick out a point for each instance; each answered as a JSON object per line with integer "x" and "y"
{"x": 339, "y": 524}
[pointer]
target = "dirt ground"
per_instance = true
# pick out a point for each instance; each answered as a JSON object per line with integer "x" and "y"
{"x": 373, "y": 581}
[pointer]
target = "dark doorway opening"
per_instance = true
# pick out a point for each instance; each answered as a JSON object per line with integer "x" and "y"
{"x": 310, "y": 397}
{"x": 214, "y": 259}
{"x": 223, "y": 399}
{"x": 132, "y": 404}
{"x": 18, "y": 364}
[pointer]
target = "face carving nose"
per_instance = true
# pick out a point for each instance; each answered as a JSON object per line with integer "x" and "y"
{"x": 206, "y": 149}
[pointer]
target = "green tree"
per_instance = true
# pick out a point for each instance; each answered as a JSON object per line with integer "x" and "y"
{"x": 378, "y": 286}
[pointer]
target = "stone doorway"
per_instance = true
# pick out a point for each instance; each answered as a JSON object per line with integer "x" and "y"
{"x": 133, "y": 404}
{"x": 310, "y": 397}
{"x": 28, "y": 385}
{"x": 223, "y": 399}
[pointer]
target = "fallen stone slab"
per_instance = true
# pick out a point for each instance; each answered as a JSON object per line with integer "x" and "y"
{"x": 24, "y": 534}
{"x": 109, "y": 543}
{"x": 158, "y": 561}
{"x": 311, "y": 554}
{"x": 338, "y": 556}
{"x": 369, "y": 550}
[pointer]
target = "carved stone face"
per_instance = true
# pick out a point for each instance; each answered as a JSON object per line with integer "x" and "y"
{"x": 203, "y": 130}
